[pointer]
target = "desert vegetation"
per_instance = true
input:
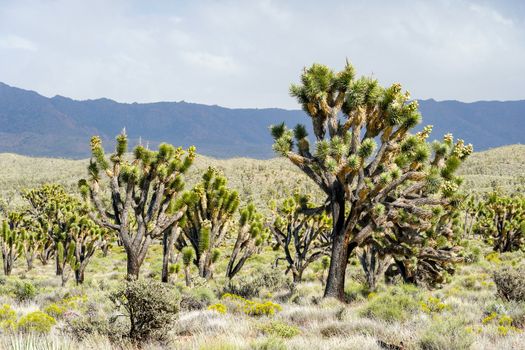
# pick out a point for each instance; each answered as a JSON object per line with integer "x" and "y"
{"x": 366, "y": 235}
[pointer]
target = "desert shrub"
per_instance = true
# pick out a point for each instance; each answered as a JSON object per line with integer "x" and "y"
{"x": 396, "y": 304}
{"x": 205, "y": 295}
{"x": 238, "y": 304}
{"x": 510, "y": 283}
{"x": 55, "y": 310}
{"x": 280, "y": 329}
{"x": 270, "y": 281}
{"x": 150, "y": 307}
{"x": 36, "y": 321}
{"x": 445, "y": 334}
{"x": 190, "y": 303}
{"x": 220, "y": 308}
{"x": 433, "y": 305}
{"x": 24, "y": 291}
{"x": 271, "y": 343}
{"x": 7, "y": 317}
{"x": 81, "y": 327}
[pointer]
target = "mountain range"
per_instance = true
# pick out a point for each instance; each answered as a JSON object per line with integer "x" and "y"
{"x": 35, "y": 125}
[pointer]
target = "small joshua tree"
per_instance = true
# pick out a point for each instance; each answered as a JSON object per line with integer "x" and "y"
{"x": 187, "y": 256}
{"x": 250, "y": 237}
{"x": 303, "y": 232}
{"x": 49, "y": 206}
{"x": 501, "y": 221}
{"x": 366, "y": 185}
{"x": 211, "y": 206}
{"x": 141, "y": 191}
{"x": 11, "y": 240}
{"x": 84, "y": 237}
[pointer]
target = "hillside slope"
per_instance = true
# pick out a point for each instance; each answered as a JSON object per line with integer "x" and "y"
{"x": 256, "y": 180}
{"x": 35, "y": 125}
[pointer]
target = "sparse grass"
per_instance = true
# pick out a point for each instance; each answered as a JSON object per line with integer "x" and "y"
{"x": 458, "y": 316}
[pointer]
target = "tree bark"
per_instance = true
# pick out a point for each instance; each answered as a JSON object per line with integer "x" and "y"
{"x": 79, "y": 275}
{"x": 168, "y": 239}
{"x": 59, "y": 270}
{"x": 133, "y": 266}
{"x": 335, "y": 282}
{"x": 8, "y": 265}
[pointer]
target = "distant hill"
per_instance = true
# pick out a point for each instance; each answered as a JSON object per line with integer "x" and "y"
{"x": 256, "y": 180}
{"x": 35, "y": 125}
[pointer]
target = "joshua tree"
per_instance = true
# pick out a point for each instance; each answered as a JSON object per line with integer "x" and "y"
{"x": 187, "y": 256}
{"x": 85, "y": 237}
{"x": 33, "y": 241}
{"x": 501, "y": 221}
{"x": 141, "y": 191}
{"x": 11, "y": 240}
{"x": 50, "y": 205}
{"x": 211, "y": 206}
{"x": 374, "y": 262}
{"x": 365, "y": 187}
{"x": 303, "y": 232}
{"x": 426, "y": 253}
{"x": 250, "y": 237}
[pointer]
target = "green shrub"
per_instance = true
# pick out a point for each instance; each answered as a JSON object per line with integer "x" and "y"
{"x": 273, "y": 280}
{"x": 396, "y": 304}
{"x": 220, "y": 308}
{"x": 510, "y": 283}
{"x": 37, "y": 321}
{"x": 238, "y": 304}
{"x": 205, "y": 295}
{"x": 24, "y": 291}
{"x": 150, "y": 307}
{"x": 280, "y": 329}
{"x": 271, "y": 343}
{"x": 7, "y": 317}
{"x": 445, "y": 334}
{"x": 55, "y": 310}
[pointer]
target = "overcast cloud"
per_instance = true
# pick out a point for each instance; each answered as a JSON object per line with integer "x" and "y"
{"x": 246, "y": 53}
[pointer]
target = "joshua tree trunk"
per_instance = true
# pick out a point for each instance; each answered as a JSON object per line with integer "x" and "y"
{"x": 79, "y": 275}
{"x": 187, "y": 276}
{"x": 29, "y": 259}
{"x": 133, "y": 266}
{"x": 297, "y": 275}
{"x": 335, "y": 282}
{"x": 8, "y": 264}
{"x": 59, "y": 270}
{"x": 168, "y": 239}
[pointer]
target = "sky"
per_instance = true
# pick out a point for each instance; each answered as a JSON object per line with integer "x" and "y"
{"x": 247, "y": 53}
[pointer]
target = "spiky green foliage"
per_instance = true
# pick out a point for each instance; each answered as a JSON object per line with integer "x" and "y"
{"x": 65, "y": 222}
{"x": 302, "y": 231}
{"x": 142, "y": 190}
{"x": 425, "y": 252}
{"x": 11, "y": 240}
{"x": 251, "y": 235}
{"x": 500, "y": 220}
{"x": 349, "y": 116}
{"x": 211, "y": 208}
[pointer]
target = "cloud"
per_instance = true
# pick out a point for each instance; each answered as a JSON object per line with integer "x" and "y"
{"x": 246, "y": 53}
{"x": 15, "y": 42}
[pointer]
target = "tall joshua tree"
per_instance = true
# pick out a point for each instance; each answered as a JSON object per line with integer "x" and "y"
{"x": 211, "y": 206}
{"x": 250, "y": 237}
{"x": 349, "y": 117}
{"x": 302, "y": 233}
{"x": 141, "y": 190}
